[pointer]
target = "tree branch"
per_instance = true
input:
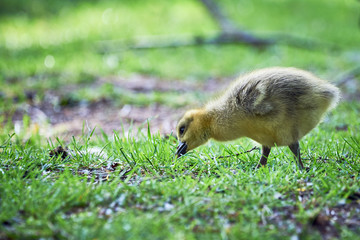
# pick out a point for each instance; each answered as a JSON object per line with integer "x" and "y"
{"x": 229, "y": 34}
{"x": 229, "y": 31}
{"x": 224, "y": 23}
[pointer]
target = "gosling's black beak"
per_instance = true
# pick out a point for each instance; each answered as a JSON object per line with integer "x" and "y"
{"x": 181, "y": 149}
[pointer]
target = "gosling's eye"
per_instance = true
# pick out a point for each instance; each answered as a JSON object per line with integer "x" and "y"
{"x": 182, "y": 130}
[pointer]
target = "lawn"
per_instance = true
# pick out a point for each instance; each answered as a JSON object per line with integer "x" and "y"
{"x": 68, "y": 78}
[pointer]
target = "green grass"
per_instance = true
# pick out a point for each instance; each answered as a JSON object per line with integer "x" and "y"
{"x": 133, "y": 187}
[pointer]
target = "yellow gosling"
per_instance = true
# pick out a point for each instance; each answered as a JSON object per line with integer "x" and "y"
{"x": 273, "y": 106}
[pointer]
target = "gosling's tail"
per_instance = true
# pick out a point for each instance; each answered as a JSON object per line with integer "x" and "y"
{"x": 333, "y": 94}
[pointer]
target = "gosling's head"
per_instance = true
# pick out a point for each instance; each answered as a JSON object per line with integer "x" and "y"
{"x": 192, "y": 130}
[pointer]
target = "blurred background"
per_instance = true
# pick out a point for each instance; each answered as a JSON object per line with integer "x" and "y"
{"x": 68, "y": 66}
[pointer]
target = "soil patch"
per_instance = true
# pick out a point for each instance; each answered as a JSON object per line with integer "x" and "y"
{"x": 57, "y": 116}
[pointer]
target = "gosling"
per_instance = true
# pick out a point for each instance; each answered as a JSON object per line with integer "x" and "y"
{"x": 274, "y": 106}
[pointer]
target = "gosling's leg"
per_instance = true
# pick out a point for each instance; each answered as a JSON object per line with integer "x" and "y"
{"x": 295, "y": 149}
{"x": 265, "y": 154}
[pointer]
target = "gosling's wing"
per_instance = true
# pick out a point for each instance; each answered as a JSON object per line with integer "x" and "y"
{"x": 253, "y": 98}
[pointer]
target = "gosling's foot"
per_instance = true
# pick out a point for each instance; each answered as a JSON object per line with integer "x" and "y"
{"x": 295, "y": 149}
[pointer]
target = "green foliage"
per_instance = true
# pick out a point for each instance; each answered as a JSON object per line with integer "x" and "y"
{"x": 37, "y": 8}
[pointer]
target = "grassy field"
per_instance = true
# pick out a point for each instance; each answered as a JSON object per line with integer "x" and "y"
{"x": 127, "y": 184}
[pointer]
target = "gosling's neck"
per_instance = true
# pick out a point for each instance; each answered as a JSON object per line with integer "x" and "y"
{"x": 223, "y": 125}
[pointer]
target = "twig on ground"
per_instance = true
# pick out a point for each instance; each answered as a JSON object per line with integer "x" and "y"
{"x": 237, "y": 154}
